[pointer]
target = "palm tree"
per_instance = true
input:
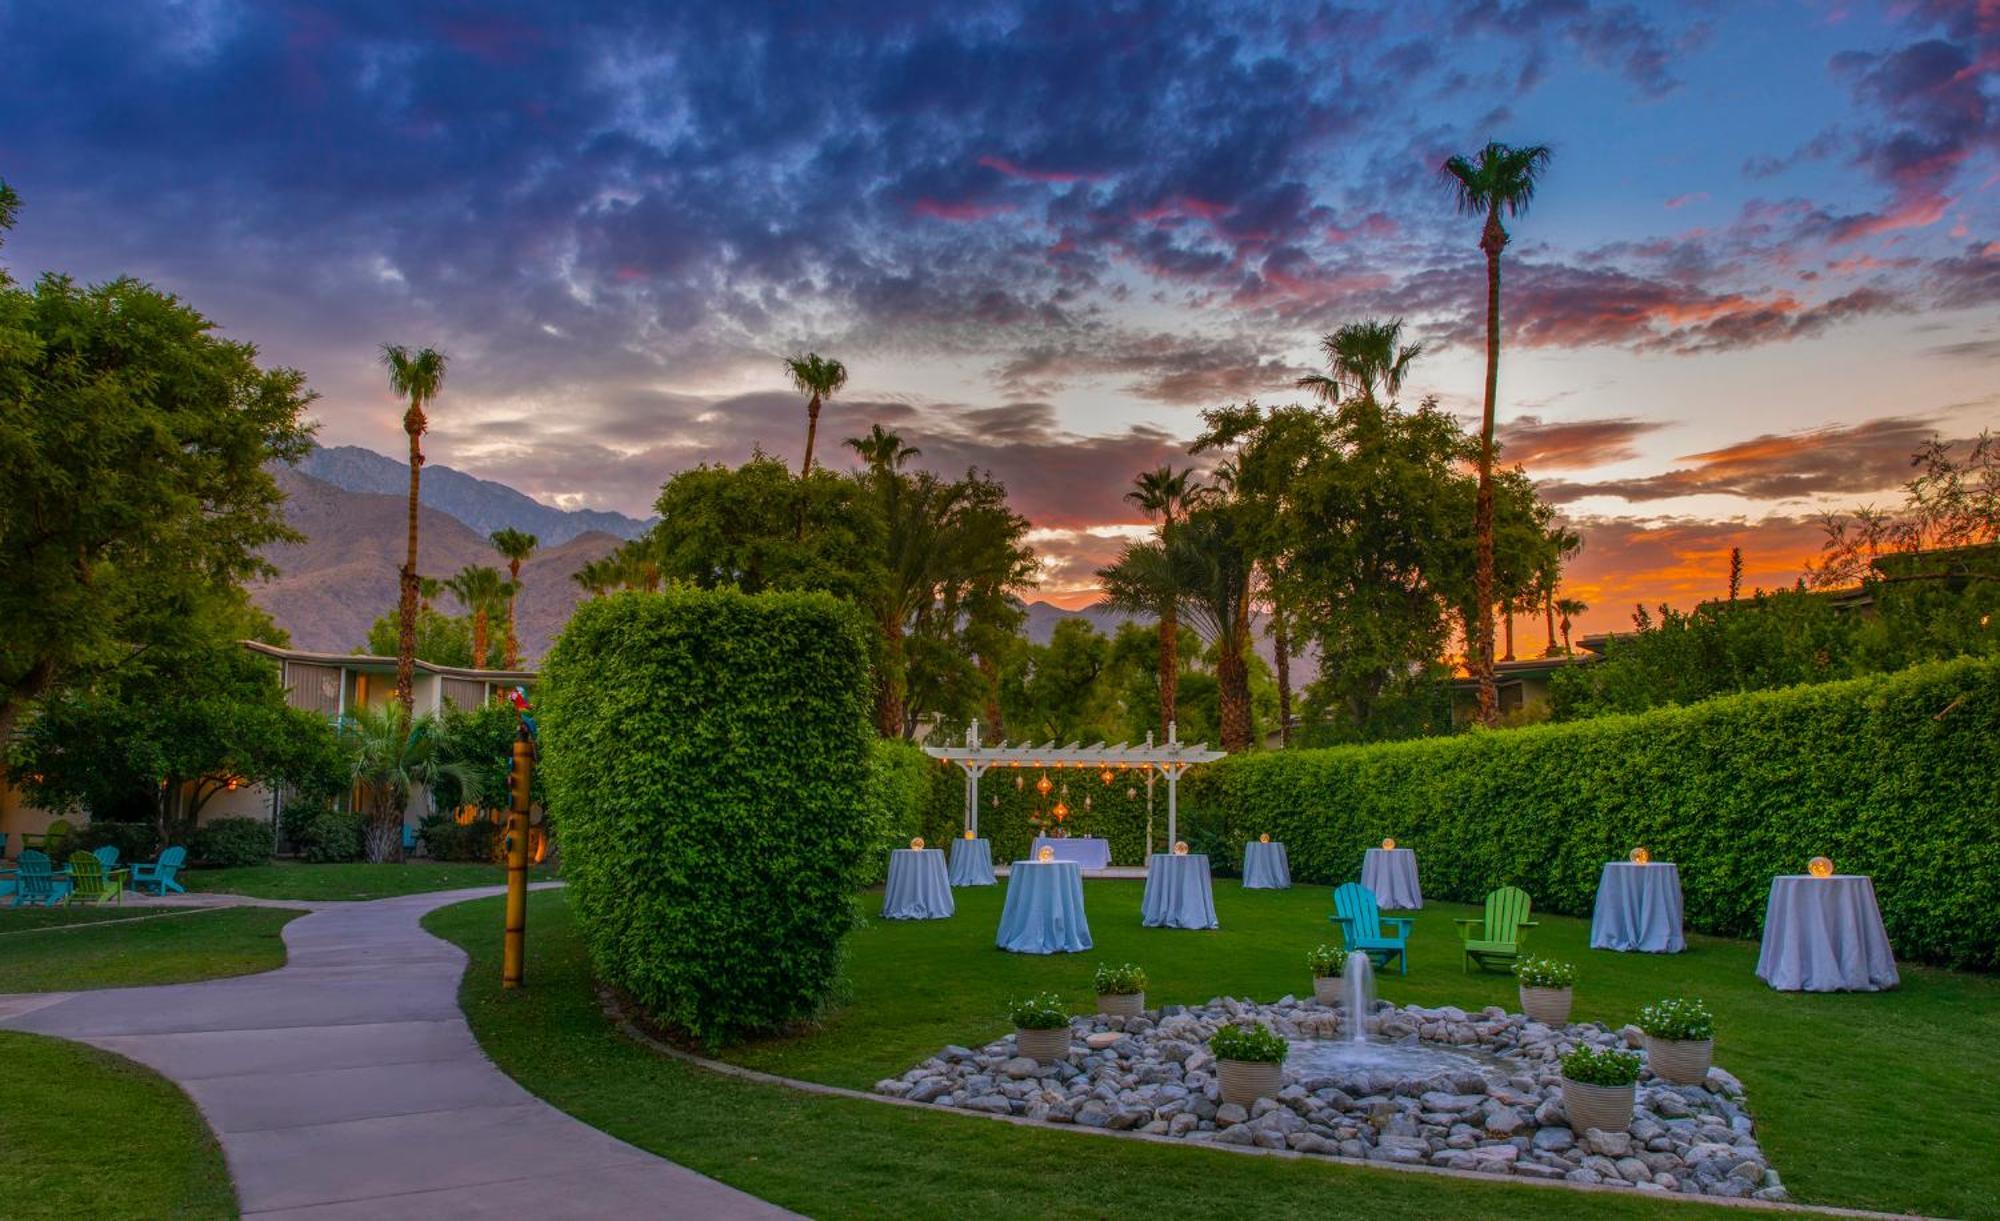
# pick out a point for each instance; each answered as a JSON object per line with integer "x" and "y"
{"x": 1362, "y": 358}
{"x": 428, "y": 588}
{"x": 517, "y": 546}
{"x": 1166, "y": 495}
{"x": 595, "y": 577}
{"x": 389, "y": 755}
{"x": 822, "y": 379}
{"x": 1567, "y": 608}
{"x": 417, "y": 376}
{"x": 1498, "y": 178}
{"x": 481, "y": 590}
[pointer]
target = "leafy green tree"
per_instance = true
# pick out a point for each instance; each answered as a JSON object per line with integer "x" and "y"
{"x": 516, "y": 546}
{"x": 820, "y": 379}
{"x": 133, "y": 451}
{"x": 723, "y": 526}
{"x": 442, "y": 640}
{"x": 160, "y": 738}
{"x": 1054, "y": 692}
{"x": 417, "y": 376}
{"x": 1499, "y": 178}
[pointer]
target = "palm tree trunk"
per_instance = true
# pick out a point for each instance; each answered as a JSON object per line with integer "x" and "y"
{"x": 812, "y": 430}
{"x": 1282, "y": 639}
{"x": 513, "y": 660}
{"x": 406, "y": 606}
{"x": 889, "y": 691}
{"x": 1170, "y": 666}
{"x": 996, "y": 726}
{"x": 1232, "y": 680}
{"x": 479, "y": 638}
{"x": 1567, "y": 651}
{"x": 1492, "y": 241}
{"x": 1549, "y": 614}
{"x": 1507, "y": 608}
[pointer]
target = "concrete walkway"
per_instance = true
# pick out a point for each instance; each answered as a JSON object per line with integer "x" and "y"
{"x": 347, "y": 1084}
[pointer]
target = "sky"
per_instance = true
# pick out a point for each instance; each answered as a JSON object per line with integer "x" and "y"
{"x": 1762, "y": 267}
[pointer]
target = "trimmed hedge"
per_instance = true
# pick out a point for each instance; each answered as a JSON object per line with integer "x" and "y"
{"x": 231, "y": 842}
{"x": 706, "y": 754}
{"x": 1897, "y": 776}
{"x": 894, "y": 803}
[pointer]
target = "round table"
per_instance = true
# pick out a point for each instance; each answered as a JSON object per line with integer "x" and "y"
{"x": 1266, "y": 867}
{"x": 972, "y": 863}
{"x": 1044, "y": 909}
{"x": 1392, "y": 874}
{"x": 1638, "y": 908}
{"x": 1825, "y": 935}
{"x": 917, "y": 888}
{"x": 1179, "y": 892}
{"x": 1087, "y": 851}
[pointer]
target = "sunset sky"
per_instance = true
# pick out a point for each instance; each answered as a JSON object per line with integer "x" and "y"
{"x": 1764, "y": 264}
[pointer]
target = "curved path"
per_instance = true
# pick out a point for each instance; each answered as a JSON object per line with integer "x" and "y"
{"x": 347, "y": 1084}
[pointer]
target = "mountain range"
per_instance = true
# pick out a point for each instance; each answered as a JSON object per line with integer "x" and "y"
{"x": 351, "y": 505}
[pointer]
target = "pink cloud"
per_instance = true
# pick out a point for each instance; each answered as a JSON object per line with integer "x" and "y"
{"x": 959, "y": 211}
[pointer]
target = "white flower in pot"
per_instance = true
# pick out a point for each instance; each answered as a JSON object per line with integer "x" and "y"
{"x": 1680, "y": 1040}
{"x": 1547, "y": 989}
{"x": 1041, "y": 1027}
{"x": 1121, "y": 991}
{"x": 1599, "y": 1086}
{"x": 1326, "y": 962}
{"x": 1250, "y": 1062}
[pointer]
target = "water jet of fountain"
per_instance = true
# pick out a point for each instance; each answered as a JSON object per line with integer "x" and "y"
{"x": 1357, "y": 992}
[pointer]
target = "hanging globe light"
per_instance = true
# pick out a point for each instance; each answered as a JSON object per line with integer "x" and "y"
{"x": 1043, "y": 786}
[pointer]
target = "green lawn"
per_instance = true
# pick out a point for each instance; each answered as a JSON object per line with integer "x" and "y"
{"x": 175, "y": 950}
{"x": 295, "y": 880}
{"x": 833, "y": 1157}
{"x": 89, "y": 1134}
{"x": 15, "y": 919}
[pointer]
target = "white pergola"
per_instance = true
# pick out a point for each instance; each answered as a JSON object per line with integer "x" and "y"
{"x": 1170, "y": 760}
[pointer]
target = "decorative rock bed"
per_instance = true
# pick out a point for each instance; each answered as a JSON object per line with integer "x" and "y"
{"x": 1498, "y": 1110}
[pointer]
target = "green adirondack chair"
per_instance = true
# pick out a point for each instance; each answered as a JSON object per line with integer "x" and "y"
{"x": 159, "y": 874}
{"x": 91, "y": 882}
{"x": 1362, "y": 927}
{"x": 1495, "y": 940}
{"x": 50, "y": 841}
{"x": 36, "y": 880}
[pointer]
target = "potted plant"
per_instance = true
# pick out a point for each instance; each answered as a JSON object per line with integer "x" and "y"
{"x": 1250, "y": 1062}
{"x": 1121, "y": 990}
{"x": 1547, "y": 988}
{"x": 1041, "y": 1026}
{"x": 1326, "y": 962}
{"x": 1680, "y": 1039}
{"x": 1598, "y": 1088}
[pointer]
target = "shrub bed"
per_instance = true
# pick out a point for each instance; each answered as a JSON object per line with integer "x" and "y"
{"x": 706, "y": 755}
{"x": 894, "y": 804}
{"x": 1895, "y": 776}
{"x": 230, "y": 842}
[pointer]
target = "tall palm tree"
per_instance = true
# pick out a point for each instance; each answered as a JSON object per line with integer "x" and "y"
{"x": 821, "y": 378}
{"x": 417, "y": 376}
{"x": 517, "y": 546}
{"x": 1363, "y": 358}
{"x": 1567, "y": 608}
{"x": 1498, "y": 178}
{"x": 428, "y": 589}
{"x": 481, "y": 590}
{"x": 1165, "y": 495}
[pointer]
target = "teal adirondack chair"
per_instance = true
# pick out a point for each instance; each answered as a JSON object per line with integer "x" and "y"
{"x": 159, "y": 874}
{"x": 36, "y": 880}
{"x": 91, "y": 882}
{"x": 1495, "y": 940}
{"x": 107, "y": 855}
{"x": 1362, "y": 927}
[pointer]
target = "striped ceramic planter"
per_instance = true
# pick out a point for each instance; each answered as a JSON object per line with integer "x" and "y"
{"x": 1680, "y": 1061}
{"x": 1245, "y": 1081}
{"x": 1608, "y": 1108}
{"x": 1128, "y": 1004}
{"x": 1044, "y": 1045}
{"x": 1549, "y": 1006}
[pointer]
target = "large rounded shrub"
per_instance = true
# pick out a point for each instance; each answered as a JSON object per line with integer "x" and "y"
{"x": 706, "y": 755}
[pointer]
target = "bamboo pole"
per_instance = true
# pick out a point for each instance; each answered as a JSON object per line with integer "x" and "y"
{"x": 519, "y": 784}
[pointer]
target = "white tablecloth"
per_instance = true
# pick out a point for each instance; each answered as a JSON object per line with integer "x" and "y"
{"x": 1085, "y": 851}
{"x": 1179, "y": 892}
{"x": 917, "y": 888}
{"x": 1825, "y": 935}
{"x": 1266, "y": 867}
{"x": 1392, "y": 874}
{"x": 971, "y": 862}
{"x": 1638, "y": 908}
